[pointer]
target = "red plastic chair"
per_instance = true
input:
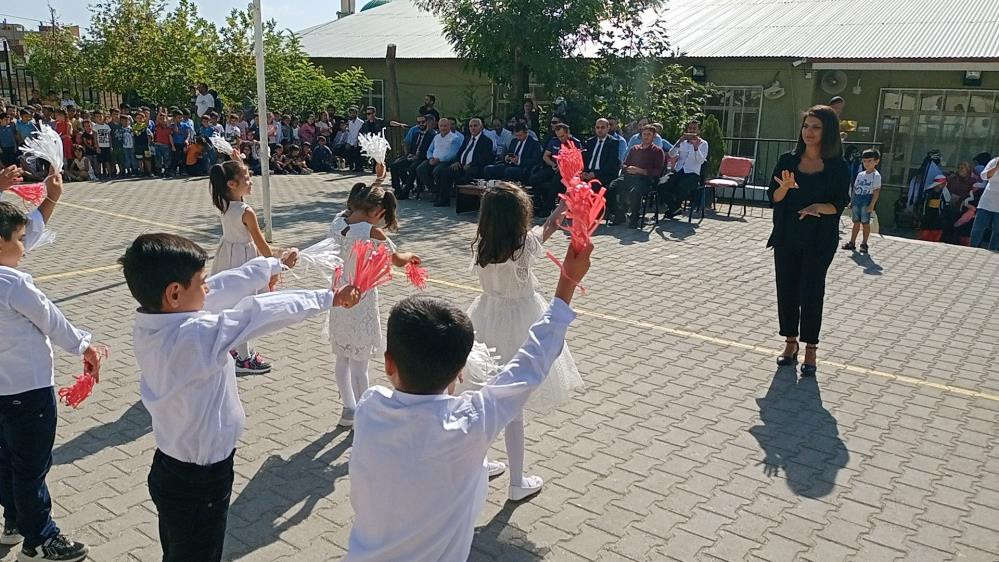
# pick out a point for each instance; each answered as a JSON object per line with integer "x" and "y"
{"x": 733, "y": 173}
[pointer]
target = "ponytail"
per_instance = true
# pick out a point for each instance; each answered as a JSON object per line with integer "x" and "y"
{"x": 219, "y": 177}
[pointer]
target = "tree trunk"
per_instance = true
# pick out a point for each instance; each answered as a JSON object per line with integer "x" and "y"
{"x": 518, "y": 82}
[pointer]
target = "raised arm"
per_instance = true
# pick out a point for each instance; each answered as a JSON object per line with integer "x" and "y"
{"x": 27, "y": 300}
{"x": 233, "y": 285}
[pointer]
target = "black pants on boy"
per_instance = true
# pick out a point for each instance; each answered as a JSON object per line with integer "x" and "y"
{"x": 178, "y": 160}
{"x": 193, "y": 506}
{"x": 801, "y": 287}
{"x": 27, "y": 432}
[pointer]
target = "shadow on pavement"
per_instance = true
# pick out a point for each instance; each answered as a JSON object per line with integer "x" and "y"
{"x": 499, "y": 536}
{"x": 867, "y": 262}
{"x": 133, "y": 424}
{"x": 280, "y": 485}
{"x": 799, "y": 436}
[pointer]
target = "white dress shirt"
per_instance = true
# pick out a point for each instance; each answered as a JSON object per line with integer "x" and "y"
{"x": 501, "y": 141}
{"x": 188, "y": 378}
{"x": 445, "y": 147}
{"x": 989, "y": 200}
{"x": 354, "y": 129}
{"x": 204, "y": 102}
{"x": 29, "y": 324}
{"x": 417, "y": 468}
{"x": 688, "y": 158}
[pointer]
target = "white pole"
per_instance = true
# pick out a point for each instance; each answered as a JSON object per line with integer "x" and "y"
{"x": 265, "y": 156}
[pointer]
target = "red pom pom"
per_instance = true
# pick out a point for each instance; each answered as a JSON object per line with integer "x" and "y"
{"x": 33, "y": 193}
{"x": 570, "y": 163}
{"x": 585, "y": 208}
{"x": 416, "y": 275}
{"x": 372, "y": 266}
{"x": 74, "y": 395}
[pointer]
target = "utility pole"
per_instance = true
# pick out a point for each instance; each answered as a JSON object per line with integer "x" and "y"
{"x": 265, "y": 157}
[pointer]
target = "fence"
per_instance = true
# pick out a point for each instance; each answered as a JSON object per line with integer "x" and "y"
{"x": 16, "y": 85}
{"x": 765, "y": 152}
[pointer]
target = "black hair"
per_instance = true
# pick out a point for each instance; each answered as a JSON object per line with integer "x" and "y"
{"x": 219, "y": 177}
{"x": 520, "y": 127}
{"x": 11, "y": 219}
{"x": 177, "y": 112}
{"x": 562, "y": 126}
{"x": 832, "y": 144}
{"x": 153, "y": 261}
{"x": 321, "y": 138}
{"x": 870, "y": 153}
{"x": 836, "y": 99}
{"x": 368, "y": 198}
{"x": 433, "y": 98}
{"x": 429, "y": 340}
{"x": 185, "y": 112}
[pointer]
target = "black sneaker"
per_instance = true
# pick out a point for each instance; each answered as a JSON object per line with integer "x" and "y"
{"x": 10, "y": 536}
{"x": 864, "y": 249}
{"x": 850, "y": 246}
{"x": 57, "y": 548}
{"x": 252, "y": 366}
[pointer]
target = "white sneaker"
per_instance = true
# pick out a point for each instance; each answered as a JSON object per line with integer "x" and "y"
{"x": 10, "y": 536}
{"x": 530, "y": 485}
{"x": 495, "y": 468}
{"x": 346, "y": 418}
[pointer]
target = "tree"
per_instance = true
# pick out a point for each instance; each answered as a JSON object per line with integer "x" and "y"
{"x": 293, "y": 82}
{"x": 54, "y": 58}
{"x": 711, "y": 131}
{"x": 501, "y": 41}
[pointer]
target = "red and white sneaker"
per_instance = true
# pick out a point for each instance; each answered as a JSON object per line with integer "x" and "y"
{"x": 252, "y": 366}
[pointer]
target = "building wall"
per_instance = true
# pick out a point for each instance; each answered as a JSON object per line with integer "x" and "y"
{"x": 445, "y": 78}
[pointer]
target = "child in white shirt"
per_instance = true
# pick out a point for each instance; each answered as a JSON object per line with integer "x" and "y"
{"x": 863, "y": 197}
{"x": 184, "y": 329}
{"x": 417, "y": 469}
{"x": 29, "y": 321}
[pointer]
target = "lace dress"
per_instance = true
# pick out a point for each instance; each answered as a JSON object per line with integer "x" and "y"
{"x": 356, "y": 332}
{"x": 236, "y": 246}
{"x": 506, "y": 310}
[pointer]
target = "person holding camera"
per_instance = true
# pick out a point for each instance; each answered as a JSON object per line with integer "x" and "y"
{"x": 690, "y": 151}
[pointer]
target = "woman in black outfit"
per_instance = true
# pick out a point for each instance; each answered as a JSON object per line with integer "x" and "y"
{"x": 809, "y": 191}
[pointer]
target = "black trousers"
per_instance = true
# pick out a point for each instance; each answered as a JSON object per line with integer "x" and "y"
{"x": 193, "y": 506}
{"x": 433, "y": 175}
{"x": 547, "y": 185}
{"x": 801, "y": 288}
{"x": 178, "y": 163}
{"x": 678, "y": 188}
{"x": 355, "y": 159}
{"x": 626, "y": 192}
{"x": 27, "y": 432}
{"x": 403, "y": 174}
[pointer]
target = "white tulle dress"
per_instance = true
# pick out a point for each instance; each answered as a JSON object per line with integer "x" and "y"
{"x": 504, "y": 313}
{"x": 236, "y": 246}
{"x": 356, "y": 332}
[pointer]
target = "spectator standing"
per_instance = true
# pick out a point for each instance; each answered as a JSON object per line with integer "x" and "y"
{"x": 233, "y": 132}
{"x": 117, "y": 153}
{"x": 863, "y": 197}
{"x": 372, "y": 125}
{"x": 809, "y": 190}
{"x": 142, "y": 135}
{"x": 323, "y": 125}
{"x": 690, "y": 151}
{"x": 429, "y": 101}
{"x": 130, "y": 164}
{"x": 67, "y": 99}
{"x": 987, "y": 214}
{"x": 25, "y": 126}
{"x": 307, "y": 131}
{"x": 180, "y": 134}
{"x": 203, "y": 101}
{"x": 640, "y": 169}
{"x": 615, "y": 131}
{"x": 88, "y": 140}
{"x": 103, "y": 132}
{"x": 8, "y": 141}
{"x": 531, "y": 116}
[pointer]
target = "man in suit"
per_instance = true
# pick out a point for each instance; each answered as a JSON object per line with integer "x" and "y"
{"x": 601, "y": 160}
{"x": 475, "y": 153}
{"x": 523, "y": 155}
{"x": 545, "y": 178}
{"x": 404, "y": 167}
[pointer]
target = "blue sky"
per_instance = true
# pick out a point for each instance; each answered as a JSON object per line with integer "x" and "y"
{"x": 290, "y": 14}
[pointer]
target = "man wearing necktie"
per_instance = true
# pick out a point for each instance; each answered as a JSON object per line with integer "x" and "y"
{"x": 475, "y": 154}
{"x": 417, "y": 142}
{"x": 524, "y": 154}
{"x": 601, "y": 160}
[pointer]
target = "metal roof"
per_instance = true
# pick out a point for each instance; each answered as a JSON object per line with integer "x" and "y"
{"x": 417, "y": 34}
{"x": 813, "y": 29}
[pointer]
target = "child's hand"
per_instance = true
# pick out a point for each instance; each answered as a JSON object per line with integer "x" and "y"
{"x": 273, "y": 283}
{"x": 9, "y": 176}
{"x": 346, "y": 297}
{"x": 401, "y": 259}
{"x": 53, "y": 185}
{"x": 289, "y": 257}
{"x": 574, "y": 268}
{"x": 92, "y": 362}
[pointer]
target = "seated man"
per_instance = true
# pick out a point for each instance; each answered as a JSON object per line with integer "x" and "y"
{"x": 475, "y": 153}
{"x": 404, "y": 168}
{"x": 690, "y": 152}
{"x": 441, "y": 154}
{"x": 524, "y": 155}
{"x": 501, "y": 137}
{"x": 641, "y": 169}
{"x": 545, "y": 178}
{"x": 601, "y": 160}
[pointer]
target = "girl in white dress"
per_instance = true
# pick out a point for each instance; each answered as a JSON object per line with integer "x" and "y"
{"x": 506, "y": 249}
{"x": 356, "y": 333}
{"x": 241, "y": 240}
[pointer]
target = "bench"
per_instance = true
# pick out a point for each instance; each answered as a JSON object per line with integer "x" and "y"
{"x": 468, "y": 196}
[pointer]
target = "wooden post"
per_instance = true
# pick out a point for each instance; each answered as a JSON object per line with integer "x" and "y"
{"x": 392, "y": 86}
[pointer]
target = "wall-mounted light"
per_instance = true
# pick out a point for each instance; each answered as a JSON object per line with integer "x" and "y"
{"x": 973, "y": 78}
{"x": 698, "y": 73}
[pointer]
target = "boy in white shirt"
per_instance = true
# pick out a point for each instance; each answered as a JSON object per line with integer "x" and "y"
{"x": 863, "y": 196}
{"x": 29, "y": 323}
{"x": 184, "y": 329}
{"x": 417, "y": 469}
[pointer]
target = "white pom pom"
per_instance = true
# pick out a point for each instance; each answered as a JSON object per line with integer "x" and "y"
{"x": 45, "y": 145}
{"x": 481, "y": 365}
{"x": 221, "y": 145}
{"x": 374, "y": 146}
{"x": 323, "y": 256}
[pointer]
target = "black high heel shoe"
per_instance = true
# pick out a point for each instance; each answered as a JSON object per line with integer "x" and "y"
{"x": 808, "y": 370}
{"x": 788, "y": 360}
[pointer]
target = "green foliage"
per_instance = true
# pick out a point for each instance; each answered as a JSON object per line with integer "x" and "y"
{"x": 140, "y": 46}
{"x": 54, "y": 58}
{"x": 472, "y": 106}
{"x": 711, "y": 131}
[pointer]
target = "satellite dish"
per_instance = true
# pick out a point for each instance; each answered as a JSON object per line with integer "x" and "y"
{"x": 833, "y": 82}
{"x": 774, "y": 91}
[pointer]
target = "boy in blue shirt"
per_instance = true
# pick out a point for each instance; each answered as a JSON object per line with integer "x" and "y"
{"x": 180, "y": 133}
{"x": 8, "y": 141}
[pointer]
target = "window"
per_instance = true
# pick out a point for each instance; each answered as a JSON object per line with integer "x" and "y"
{"x": 737, "y": 109}
{"x": 911, "y": 122}
{"x": 376, "y": 97}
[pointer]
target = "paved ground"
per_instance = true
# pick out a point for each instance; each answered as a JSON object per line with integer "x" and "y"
{"x": 688, "y": 444}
